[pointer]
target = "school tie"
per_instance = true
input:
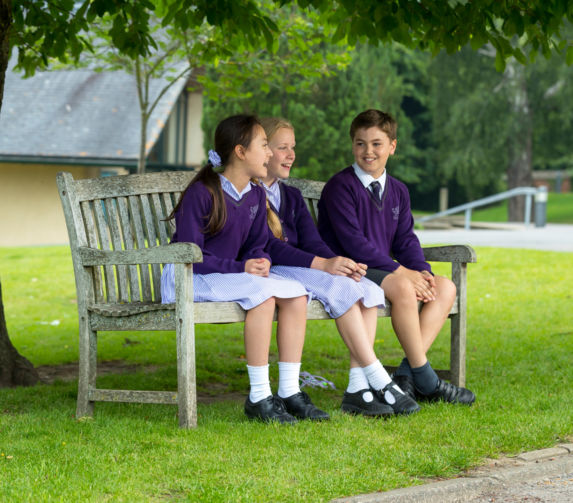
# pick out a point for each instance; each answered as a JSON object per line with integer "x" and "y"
{"x": 376, "y": 190}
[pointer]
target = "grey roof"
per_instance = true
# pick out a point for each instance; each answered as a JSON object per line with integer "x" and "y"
{"x": 78, "y": 113}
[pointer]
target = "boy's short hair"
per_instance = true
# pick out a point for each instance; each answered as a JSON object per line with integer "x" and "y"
{"x": 374, "y": 118}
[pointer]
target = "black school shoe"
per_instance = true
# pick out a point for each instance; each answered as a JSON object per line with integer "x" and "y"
{"x": 300, "y": 406}
{"x": 354, "y": 403}
{"x": 401, "y": 402}
{"x": 269, "y": 409}
{"x": 446, "y": 392}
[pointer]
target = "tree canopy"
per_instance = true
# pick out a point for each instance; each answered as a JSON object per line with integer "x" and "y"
{"x": 49, "y": 28}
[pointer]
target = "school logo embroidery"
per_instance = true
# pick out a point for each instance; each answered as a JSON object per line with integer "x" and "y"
{"x": 254, "y": 210}
{"x": 396, "y": 212}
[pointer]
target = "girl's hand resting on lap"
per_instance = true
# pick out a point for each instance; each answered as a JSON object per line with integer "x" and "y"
{"x": 258, "y": 266}
{"x": 341, "y": 266}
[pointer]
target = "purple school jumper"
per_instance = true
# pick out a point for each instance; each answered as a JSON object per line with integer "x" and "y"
{"x": 292, "y": 259}
{"x": 222, "y": 276}
{"x": 354, "y": 224}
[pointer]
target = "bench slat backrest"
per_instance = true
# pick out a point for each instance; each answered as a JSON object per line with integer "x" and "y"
{"x": 122, "y": 213}
{"x": 128, "y": 213}
{"x": 310, "y": 190}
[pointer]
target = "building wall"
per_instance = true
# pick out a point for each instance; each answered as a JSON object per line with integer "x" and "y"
{"x": 195, "y": 156}
{"x": 30, "y": 208}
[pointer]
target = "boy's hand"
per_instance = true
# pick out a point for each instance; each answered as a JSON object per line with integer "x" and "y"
{"x": 258, "y": 266}
{"x": 424, "y": 283}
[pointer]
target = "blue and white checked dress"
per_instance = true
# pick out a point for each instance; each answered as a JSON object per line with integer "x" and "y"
{"x": 246, "y": 289}
{"x": 336, "y": 293}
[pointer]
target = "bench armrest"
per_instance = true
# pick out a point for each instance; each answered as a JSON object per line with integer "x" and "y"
{"x": 451, "y": 253}
{"x": 176, "y": 253}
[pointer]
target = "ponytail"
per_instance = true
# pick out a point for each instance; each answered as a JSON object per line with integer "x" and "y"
{"x": 274, "y": 222}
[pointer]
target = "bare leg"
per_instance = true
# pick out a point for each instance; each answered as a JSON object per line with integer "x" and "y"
{"x": 435, "y": 313}
{"x": 258, "y": 328}
{"x": 291, "y": 328}
{"x": 355, "y": 328}
{"x": 405, "y": 317}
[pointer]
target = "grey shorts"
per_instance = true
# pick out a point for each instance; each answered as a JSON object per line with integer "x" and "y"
{"x": 377, "y": 275}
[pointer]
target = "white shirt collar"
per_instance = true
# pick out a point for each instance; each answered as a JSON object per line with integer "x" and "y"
{"x": 230, "y": 189}
{"x": 366, "y": 179}
{"x": 273, "y": 193}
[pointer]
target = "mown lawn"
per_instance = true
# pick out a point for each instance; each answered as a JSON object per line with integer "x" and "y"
{"x": 520, "y": 341}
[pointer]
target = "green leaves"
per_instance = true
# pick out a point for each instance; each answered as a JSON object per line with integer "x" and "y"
{"x": 569, "y": 56}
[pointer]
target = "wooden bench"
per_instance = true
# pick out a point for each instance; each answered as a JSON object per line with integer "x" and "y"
{"x": 119, "y": 242}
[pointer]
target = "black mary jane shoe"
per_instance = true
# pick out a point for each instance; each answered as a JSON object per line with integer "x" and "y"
{"x": 356, "y": 403}
{"x": 396, "y": 398}
{"x": 300, "y": 406}
{"x": 269, "y": 409}
{"x": 406, "y": 384}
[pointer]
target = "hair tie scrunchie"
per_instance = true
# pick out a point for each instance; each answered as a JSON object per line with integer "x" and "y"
{"x": 214, "y": 158}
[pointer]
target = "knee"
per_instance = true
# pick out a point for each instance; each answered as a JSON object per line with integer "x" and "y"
{"x": 400, "y": 289}
{"x": 446, "y": 288}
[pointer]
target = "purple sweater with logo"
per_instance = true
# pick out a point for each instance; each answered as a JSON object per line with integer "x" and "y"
{"x": 243, "y": 237}
{"x": 354, "y": 224}
{"x": 302, "y": 240}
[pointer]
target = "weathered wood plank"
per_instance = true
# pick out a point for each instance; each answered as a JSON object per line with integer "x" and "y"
{"x": 141, "y": 244}
{"x": 185, "y": 335}
{"x": 450, "y": 253}
{"x": 151, "y": 232}
{"x": 89, "y": 226}
{"x": 160, "y": 215}
{"x": 132, "y": 185}
{"x": 102, "y": 230}
{"x": 129, "y": 243}
{"x": 117, "y": 244}
{"x": 173, "y": 253}
{"x": 117, "y": 395}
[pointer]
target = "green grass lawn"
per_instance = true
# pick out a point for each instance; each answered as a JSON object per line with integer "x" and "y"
{"x": 520, "y": 341}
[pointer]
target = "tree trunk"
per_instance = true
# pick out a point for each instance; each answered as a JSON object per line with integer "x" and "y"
{"x": 519, "y": 171}
{"x": 5, "y": 23}
{"x": 15, "y": 370}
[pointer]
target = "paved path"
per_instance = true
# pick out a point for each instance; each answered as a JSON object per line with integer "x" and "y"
{"x": 552, "y": 237}
{"x": 543, "y": 476}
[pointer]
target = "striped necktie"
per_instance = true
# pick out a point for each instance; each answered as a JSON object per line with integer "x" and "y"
{"x": 376, "y": 190}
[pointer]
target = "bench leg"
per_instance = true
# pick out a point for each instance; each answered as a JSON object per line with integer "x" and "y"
{"x": 87, "y": 369}
{"x": 186, "y": 384}
{"x": 458, "y": 327}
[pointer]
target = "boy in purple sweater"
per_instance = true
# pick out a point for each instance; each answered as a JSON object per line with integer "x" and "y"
{"x": 364, "y": 214}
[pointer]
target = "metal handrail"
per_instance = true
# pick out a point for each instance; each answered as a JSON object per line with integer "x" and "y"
{"x": 540, "y": 194}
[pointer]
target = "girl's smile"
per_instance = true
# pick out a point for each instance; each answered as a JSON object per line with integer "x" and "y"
{"x": 282, "y": 145}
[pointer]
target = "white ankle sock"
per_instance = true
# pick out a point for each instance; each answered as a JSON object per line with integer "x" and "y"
{"x": 259, "y": 381}
{"x": 288, "y": 379}
{"x": 356, "y": 380}
{"x": 377, "y": 376}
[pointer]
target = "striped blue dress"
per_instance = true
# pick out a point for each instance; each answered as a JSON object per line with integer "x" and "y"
{"x": 336, "y": 293}
{"x": 246, "y": 289}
